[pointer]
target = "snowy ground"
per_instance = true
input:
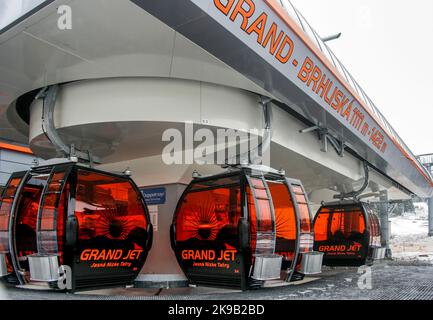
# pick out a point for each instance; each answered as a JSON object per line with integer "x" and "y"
{"x": 409, "y": 236}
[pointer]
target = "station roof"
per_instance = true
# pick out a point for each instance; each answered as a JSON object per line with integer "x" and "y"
{"x": 355, "y": 118}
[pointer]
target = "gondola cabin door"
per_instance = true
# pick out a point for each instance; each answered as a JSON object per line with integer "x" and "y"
{"x": 205, "y": 233}
{"x": 113, "y": 230}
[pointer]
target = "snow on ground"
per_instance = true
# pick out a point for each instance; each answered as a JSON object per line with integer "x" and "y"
{"x": 409, "y": 236}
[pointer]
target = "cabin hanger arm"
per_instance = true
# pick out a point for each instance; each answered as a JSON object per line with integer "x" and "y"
{"x": 49, "y": 96}
{"x": 356, "y": 194}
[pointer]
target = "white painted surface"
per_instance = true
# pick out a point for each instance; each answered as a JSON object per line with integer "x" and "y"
{"x": 122, "y": 121}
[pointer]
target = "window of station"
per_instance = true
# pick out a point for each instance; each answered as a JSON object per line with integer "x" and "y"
{"x": 108, "y": 208}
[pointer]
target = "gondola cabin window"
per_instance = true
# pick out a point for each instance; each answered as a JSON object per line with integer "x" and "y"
{"x": 27, "y": 218}
{"x": 108, "y": 209}
{"x": 210, "y": 214}
{"x": 285, "y": 220}
{"x": 5, "y": 210}
{"x": 339, "y": 225}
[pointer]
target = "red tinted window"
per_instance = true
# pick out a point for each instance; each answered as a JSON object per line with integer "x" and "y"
{"x": 285, "y": 219}
{"x": 5, "y": 211}
{"x": 347, "y": 222}
{"x": 304, "y": 212}
{"x": 374, "y": 224}
{"x": 53, "y": 212}
{"x": 209, "y": 214}
{"x": 252, "y": 220}
{"x": 339, "y": 224}
{"x": 27, "y": 215}
{"x": 5, "y": 208}
{"x": 107, "y": 207}
{"x": 261, "y": 218}
{"x": 321, "y": 226}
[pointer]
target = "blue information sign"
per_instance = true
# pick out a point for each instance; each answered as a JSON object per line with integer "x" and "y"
{"x": 154, "y": 196}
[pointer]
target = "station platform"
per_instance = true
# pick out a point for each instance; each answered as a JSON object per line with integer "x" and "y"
{"x": 390, "y": 280}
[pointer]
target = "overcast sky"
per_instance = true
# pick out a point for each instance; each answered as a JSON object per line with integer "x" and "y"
{"x": 388, "y": 47}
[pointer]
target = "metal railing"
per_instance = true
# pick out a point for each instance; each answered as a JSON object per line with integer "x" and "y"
{"x": 426, "y": 159}
{"x": 324, "y": 48}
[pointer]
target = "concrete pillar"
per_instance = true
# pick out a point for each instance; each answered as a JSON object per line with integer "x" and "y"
{"x": 384, "y": 222}
{"x": 161, "y": 269}
{"x": 430, "y": 217}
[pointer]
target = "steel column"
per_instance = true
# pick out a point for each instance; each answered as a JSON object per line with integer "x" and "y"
{"x": 430, "y": 217}
{"x": 384, "y": 223}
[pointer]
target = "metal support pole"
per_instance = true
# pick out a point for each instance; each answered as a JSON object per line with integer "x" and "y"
{"x": 385, "y": 223}
{"x": 430, "y": 217}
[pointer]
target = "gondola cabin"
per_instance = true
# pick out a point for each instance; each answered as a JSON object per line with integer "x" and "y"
{"x": 67, "y": 218}
{"x": 348, "y": 233}
{"x": 242, "y": 228}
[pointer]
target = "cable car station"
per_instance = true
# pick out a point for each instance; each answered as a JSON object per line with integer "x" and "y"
{"x": 98, "y": 105}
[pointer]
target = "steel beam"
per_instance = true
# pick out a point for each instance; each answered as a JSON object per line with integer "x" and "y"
{"x": 430, "y": 217}
{"x": 384, "y": 223}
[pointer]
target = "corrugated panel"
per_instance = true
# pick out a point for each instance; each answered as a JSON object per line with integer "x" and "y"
{"x": 12, "y": 162}
{"x": 4, "y": 178}
{"x": 6, "y": 155}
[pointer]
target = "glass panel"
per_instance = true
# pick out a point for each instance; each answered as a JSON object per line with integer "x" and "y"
{"x": 285, "y": 220}
{"x": 52, "y": 215}
{"x": 5, "y": 211}
{"x": 27, "y": 216}
{"x": 204, "y": 185}
{"x": 347, "y": 224}
{"x": 340, "y": 224}
{"x": 265, "y": 238}
{"x": 374, "y": 225}
{"x": 210, "y": 215}
{"x": 321, "y": 226}
{"x": 304, "y": 211}
{"x": 109, "y": 210}
{"x": 5, "y": 208}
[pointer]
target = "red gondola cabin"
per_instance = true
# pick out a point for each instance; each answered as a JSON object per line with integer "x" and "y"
{"x": 348, "y": 233}
{"x": 242, "y": 228}
{"x": 92, "y": 221}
